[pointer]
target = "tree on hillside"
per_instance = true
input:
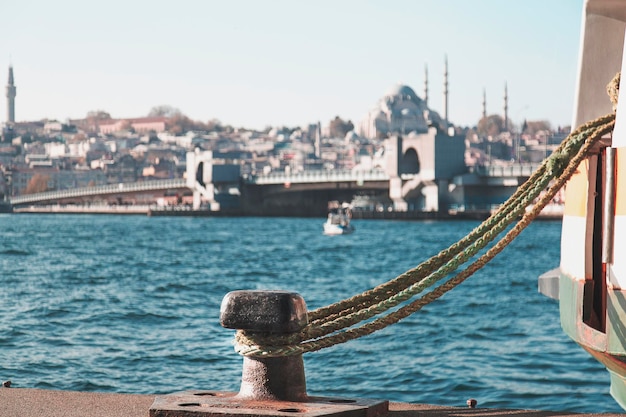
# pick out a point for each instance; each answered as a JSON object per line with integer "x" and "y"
{"x": 532, "y": 127}
{"x": 95, "y": 116}
{"x": 490, "y": 126}
{"x": 165, "y": 111}
{"x": 179, "y": 124}
{"x": 93, "y": 119}
{"x": 98, "y": 115}
{"x": 339, "y": 128}
{"x": 37, "y": 184}
{"x": 214, "y": 125}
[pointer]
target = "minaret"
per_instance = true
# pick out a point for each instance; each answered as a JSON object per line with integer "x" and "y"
{"x": 445, "y": 92}
{"x": 484, "y": 104}
{"x": 11, "y": 93}
{"x": 426, "y": 85}
{"x": 318, "y": 140}
{"x": 506, "y": 108}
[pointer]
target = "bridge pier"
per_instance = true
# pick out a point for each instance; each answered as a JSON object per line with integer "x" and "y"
{"x": 200, "y": 178}
{"x": 420, "y": 166}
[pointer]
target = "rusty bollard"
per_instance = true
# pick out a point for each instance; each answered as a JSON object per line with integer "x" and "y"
{"x": 269, "y": 386}
{"x": 268, "y": 312}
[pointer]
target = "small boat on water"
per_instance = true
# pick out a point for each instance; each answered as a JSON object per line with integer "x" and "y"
{"x": 590, "y": 282}
{"x": 338, "y": 220}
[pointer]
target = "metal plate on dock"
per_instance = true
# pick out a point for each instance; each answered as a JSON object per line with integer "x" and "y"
{"x": 222, "y": 404}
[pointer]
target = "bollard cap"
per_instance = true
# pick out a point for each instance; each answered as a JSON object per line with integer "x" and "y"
{"x": 264, "y": 311}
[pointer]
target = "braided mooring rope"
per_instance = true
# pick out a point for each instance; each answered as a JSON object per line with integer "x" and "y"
{"x": 333, "y": 324}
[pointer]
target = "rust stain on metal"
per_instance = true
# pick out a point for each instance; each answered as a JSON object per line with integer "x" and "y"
{"x": 222, "y": 404}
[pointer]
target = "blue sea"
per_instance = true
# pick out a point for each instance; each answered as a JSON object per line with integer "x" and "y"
{"x": 130, "y": 304}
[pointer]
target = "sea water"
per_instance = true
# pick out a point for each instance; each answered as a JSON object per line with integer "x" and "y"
{"x": 130, "y": 304}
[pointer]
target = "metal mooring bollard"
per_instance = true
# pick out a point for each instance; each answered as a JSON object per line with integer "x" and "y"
{"x": 269, "y": 386}
{"x": 269, "y": 312}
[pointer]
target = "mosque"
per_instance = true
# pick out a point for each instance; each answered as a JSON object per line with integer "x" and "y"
{"x": 401, "y": 111}
{"x": 423, "y": 154}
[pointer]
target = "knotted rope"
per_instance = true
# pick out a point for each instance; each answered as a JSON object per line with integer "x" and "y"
{"x": 335, "y": 324}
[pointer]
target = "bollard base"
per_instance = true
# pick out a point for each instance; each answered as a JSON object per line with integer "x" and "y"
{"x": 224, "y": 404}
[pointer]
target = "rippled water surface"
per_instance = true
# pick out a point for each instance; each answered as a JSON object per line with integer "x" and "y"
{"x": 131, "y": 304}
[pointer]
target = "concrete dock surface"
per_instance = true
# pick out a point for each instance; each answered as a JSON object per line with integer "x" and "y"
{"x": 26, "y": 402}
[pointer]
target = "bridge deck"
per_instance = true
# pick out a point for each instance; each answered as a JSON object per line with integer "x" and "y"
{"x": 274, "y": 178}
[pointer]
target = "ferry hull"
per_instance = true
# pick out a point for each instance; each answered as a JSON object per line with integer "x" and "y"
{"x": 592, "y": 270}
{"x": 608, "y": 345}
{"x": 617, "y": 372}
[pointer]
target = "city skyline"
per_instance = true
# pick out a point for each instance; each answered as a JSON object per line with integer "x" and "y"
{"x": 289, "y": 64}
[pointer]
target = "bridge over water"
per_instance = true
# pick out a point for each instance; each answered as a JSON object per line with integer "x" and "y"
{"x": 271, "y": 185}
{"x": 328, "y": 177}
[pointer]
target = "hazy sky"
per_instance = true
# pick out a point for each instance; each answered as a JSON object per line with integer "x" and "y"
{"x": 265, "y": 62}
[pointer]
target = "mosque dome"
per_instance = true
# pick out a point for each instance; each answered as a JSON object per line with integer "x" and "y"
{"x": 400, "y": 110}
{"x": 402, "y": 92}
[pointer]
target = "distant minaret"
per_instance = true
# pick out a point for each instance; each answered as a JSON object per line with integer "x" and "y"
{"x": 318, "y": 140}
{"x": 11, "y": 93}
{"x": 445, "y": 92}
{"x": 484, "y": 104}
{"x": 426, "y": 85}
{"x": 506, "y": 108}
